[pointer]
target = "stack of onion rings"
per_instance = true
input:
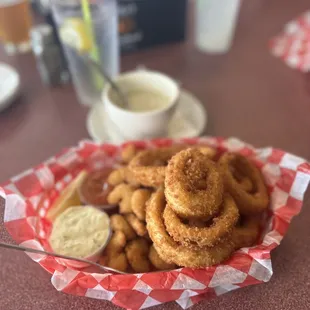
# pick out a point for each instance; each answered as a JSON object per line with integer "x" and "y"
{"x": 193, "y": 219}
{"x": 250, "y": 200}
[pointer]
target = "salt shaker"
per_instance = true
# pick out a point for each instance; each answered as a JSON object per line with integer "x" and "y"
{"x": 47, "y": 51}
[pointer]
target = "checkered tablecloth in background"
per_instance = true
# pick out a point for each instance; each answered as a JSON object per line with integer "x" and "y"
{"x": 293, "y": 44}
{"x": 29, "y": 195}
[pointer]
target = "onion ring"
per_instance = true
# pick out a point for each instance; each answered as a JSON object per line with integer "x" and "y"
{"x": 246, "y": 184}
{"x": 246, "y": 233}
{"x": 172, "y": 252}
{"x": 149, "y": 166}
{"x": 244, "y": 181}
{"x": 253, "y": 202}
{"x": 221, "y": 226}
{"x": 193, "y": 185}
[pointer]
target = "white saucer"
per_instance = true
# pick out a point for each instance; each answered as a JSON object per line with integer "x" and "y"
{"x": 189, "y": 121}
{"x": 9, "y": 85}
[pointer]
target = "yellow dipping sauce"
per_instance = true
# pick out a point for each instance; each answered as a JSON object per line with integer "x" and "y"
{"x": 80, "y": 232}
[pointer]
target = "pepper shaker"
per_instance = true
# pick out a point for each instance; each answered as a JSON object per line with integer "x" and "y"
{"x": 48, "y": 55}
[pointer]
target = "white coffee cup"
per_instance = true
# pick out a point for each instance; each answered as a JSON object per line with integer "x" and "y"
{"x": 147, "y": 124}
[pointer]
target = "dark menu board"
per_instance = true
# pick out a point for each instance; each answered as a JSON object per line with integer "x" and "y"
{"x": 145, "y": 23}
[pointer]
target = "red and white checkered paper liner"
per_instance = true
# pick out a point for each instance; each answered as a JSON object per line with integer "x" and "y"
{"x": 29, "y": 195}
{"x": 293, "y": 45}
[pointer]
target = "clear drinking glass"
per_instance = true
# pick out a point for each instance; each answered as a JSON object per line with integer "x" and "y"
{"x": 104, "y": 19}
{"x": 15, "y": 24}
{"x": 215, "y": 24}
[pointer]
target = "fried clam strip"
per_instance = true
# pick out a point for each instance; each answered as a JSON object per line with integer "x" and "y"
{"x": 193, "y": 185}
{"x": 137, "y": 225}
{"x": 253, "y": 202}
{"x": 114, "y": 255}
{"x": 138, "y": 202}
{"x": 118, "y": 222}
{"x": 121, "y": 175}
{"x": 219, "y": 229}
{"x": 121, "y": 194}
{"x": 206, "y": 150}
{"x": 137, "y": 254}
{"x": 172, "y": 252}
{"x": 128, "y": 153}
{"x": 158, "y": 262}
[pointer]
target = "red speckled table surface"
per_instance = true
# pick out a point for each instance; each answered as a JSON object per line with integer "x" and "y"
{"x": 248, "y": 94}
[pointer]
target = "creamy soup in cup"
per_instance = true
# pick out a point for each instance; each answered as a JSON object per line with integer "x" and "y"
{"x": 152, "y": 99}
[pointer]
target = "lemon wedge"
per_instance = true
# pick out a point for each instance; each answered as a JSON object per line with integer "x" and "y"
{"x": 68, "y": 198}
{"x": 74, "y": 33}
